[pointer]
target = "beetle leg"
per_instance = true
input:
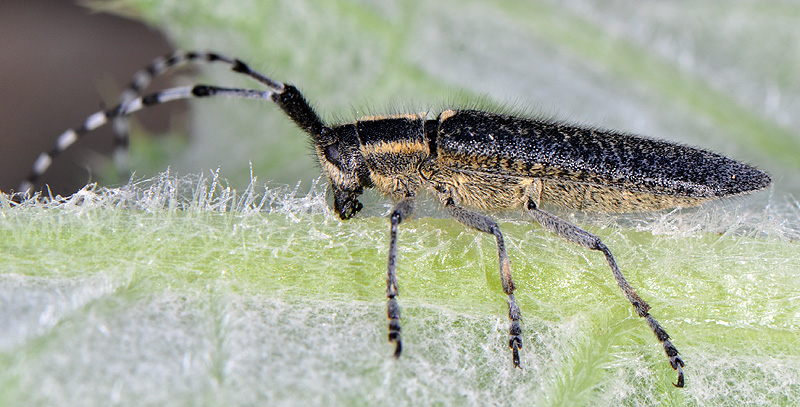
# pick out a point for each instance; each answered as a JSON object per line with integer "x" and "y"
{"x": 485, "y": 224}
{"x": 583, "y": 238}
{"x": 402, "y": 210}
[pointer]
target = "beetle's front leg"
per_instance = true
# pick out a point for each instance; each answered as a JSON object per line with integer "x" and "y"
{"x": 402, "y": 210}
{"x": 485, "y": 224}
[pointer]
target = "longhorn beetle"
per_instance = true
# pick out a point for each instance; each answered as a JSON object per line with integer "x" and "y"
{"x": 472, "y": 161}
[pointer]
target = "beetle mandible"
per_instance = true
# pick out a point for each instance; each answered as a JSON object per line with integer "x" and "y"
{"x": 472, "y": 161}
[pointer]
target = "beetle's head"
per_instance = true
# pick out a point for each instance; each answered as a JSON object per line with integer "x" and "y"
{"x": 337, "y": 150}
{"x": 341, "y": 161}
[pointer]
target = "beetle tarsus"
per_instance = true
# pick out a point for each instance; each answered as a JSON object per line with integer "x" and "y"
{"x": 398, "y": 349}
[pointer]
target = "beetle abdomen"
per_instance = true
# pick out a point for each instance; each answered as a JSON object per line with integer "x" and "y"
{"x": 577, "y": 163}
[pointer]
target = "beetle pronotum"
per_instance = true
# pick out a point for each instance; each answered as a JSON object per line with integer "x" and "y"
{"x": 471, "y": 161}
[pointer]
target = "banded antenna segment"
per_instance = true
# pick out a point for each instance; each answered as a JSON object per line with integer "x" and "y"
{"x": 131, "y": 101}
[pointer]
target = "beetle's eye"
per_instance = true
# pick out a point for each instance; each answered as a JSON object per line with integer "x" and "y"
{"x": 332, "y": 153}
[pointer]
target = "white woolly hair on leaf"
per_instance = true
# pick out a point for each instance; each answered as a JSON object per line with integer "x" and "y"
{"x": 182, "y": 289}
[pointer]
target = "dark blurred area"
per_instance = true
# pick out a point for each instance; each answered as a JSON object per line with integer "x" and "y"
{"x": 60, "y": 63}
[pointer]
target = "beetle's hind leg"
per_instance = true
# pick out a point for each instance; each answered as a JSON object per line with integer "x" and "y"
{"x": 583, "y": 238}
{"x": 485, "y": 224}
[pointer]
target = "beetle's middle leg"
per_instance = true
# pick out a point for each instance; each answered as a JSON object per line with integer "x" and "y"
{"x": 583, "y": 238}
{"x": 485, "y": 224}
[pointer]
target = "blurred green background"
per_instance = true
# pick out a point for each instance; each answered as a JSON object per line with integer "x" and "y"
{"x": 162, "y": 307}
